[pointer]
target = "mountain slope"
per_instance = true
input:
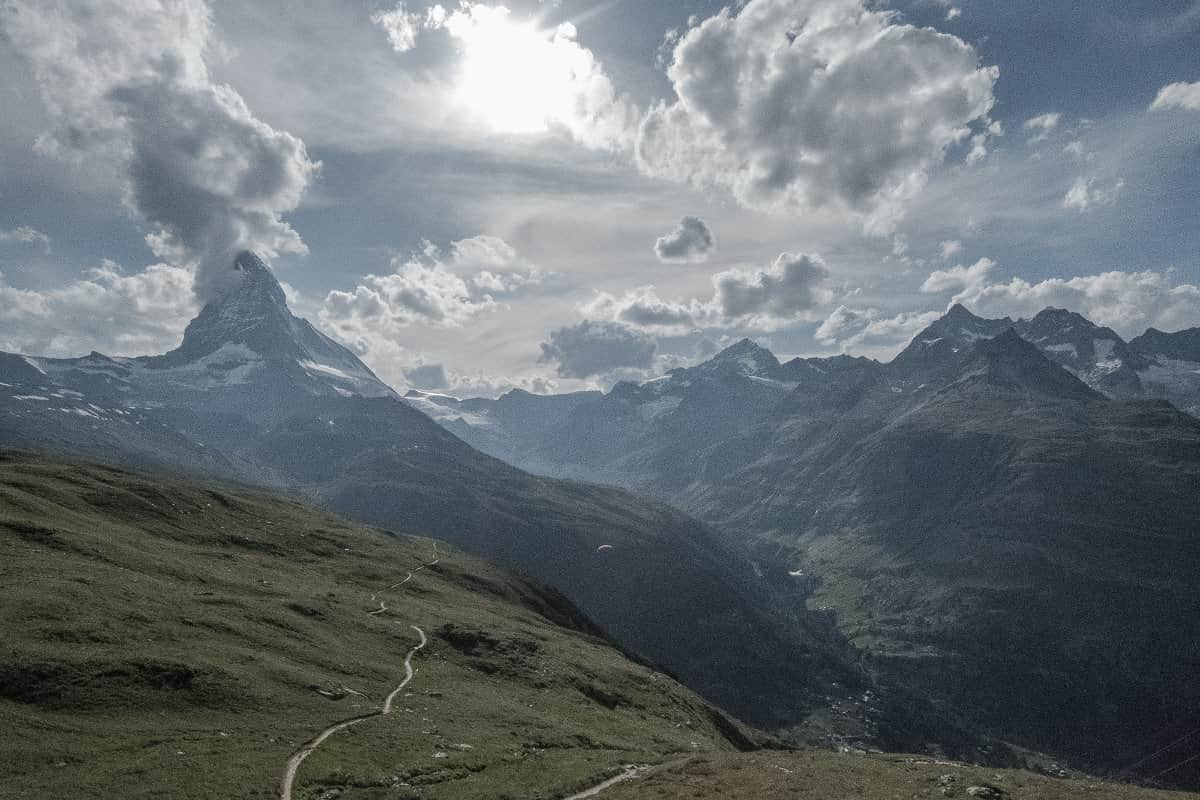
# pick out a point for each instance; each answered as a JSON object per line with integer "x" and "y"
{"x": 984, "y": 526}
{"x": 173, "y": 639}
{"x": 784, "y": 776}
{"x": 1171, "y": 366}
{"x": 241, "y": 399}
{"x": 1008, "y": 541}
{"x": 1097, "y": 355}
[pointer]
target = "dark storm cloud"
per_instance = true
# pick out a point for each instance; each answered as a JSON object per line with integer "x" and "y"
{"x": 594, "y": 348}
{"x": 690, "y": 241}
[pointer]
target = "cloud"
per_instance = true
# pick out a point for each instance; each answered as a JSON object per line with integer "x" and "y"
{"x": 126, "y": 84}
{"x": 1088, "y": 193}
{"x": 1171, "y": 25}
{"x": 436, "y": 377}
{"x": 690, "y": 241}
{"x": 400, "y": 25}
{"x": 592, "y": 349}
{"x": 433, "y": 288}
{"x": 26, "y": 234}
{"x": 868, "y": 331}
{"x": 979, "y": 142}
{"x": 1179, "y": 96}
{"x": 517, "y": 78}
{"x": 1128, "y": 302}
{"x": 796, "y": 105}
{"x": 107, "y": 310}
{"x": 958, "y": 278}
{"x": 1078, "y": 151}
{"x": 788, "y": 286}
{"x": 950, "y": 248}
{"x": 764, "y": 298}
{"x": 953, "y": 13}
{"x": 1042, "y": 126}
{"x": 643, "y": 308}
{"x": 427, "y": 377}
{"x": 483, "y": 385}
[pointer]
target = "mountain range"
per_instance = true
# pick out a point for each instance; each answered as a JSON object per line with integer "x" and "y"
{"x": 990, "y": 540}
{"x": 256, "y": 395}
{"x": 1003, "y": 518}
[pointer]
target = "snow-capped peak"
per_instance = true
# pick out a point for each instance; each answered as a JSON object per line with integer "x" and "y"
{"x": 747, "y": 357}
{"x": 253, "y": 317}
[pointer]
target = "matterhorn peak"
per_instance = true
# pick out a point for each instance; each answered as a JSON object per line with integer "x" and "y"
{"x": 252, "y": 311}
{"x": 250, "y": 323}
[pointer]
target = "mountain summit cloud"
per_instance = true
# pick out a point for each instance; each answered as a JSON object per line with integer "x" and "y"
{"x": 126, "y": 83}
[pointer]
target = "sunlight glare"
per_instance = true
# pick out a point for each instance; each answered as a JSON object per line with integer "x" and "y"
{"x": 517, "y": 78}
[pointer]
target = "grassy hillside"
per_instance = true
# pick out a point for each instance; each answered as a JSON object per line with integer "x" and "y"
{"x": 820, "y": 775}
{"x": 161, "y": 639}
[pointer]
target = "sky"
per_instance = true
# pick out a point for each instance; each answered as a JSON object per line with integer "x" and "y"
{"x": 476, "y": 196}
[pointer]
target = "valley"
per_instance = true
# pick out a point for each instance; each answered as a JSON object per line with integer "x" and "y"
{"x": 983, "y": 526}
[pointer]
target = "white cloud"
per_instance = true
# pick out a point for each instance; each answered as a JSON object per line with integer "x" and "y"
{"x": 516, "y": 78}
{"x": 126, "y": 84}
{"x": 764, "y": 298}
{"x": 643, "y": 308}
{"x": 950, "y": 248}
{"x": 1088, "y": 193}
{"x": 108, "y": 310}
{"x": 593, "y": 348}
{"x": 796, "y": 105}
{"x": 869, "y": 332}
{"x": 481, "y": 384}
{"x": 1128, "y": 302}
{"x": 1042, "y": 126}
{"x": 959, "y": 278}
{"x": 431, "y": 288}
{"x": 400, "y": 25}
{"x": 1179, "y": 96}
{"x": 691, "y": 241}
{"x": 1078, "y": 151}
{"x": 27, "y": 235}
{"x": 953, "y": 13}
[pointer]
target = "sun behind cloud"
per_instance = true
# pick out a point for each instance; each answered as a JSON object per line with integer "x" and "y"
{"x": 516, "y": 77}
{"x": 520, "y": 77}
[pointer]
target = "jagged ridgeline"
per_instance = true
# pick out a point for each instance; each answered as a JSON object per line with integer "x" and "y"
{"x": 1003, "y": 518}
{"x": 255, "y": 394}
{"x": 987, "y": 541}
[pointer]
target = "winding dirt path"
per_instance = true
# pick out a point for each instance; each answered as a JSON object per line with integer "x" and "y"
{"x": 632, "y": 772}
{"x": 629, "y": 774}
{"x": 307, "y": 749}
{"x": 293, "y": 766}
